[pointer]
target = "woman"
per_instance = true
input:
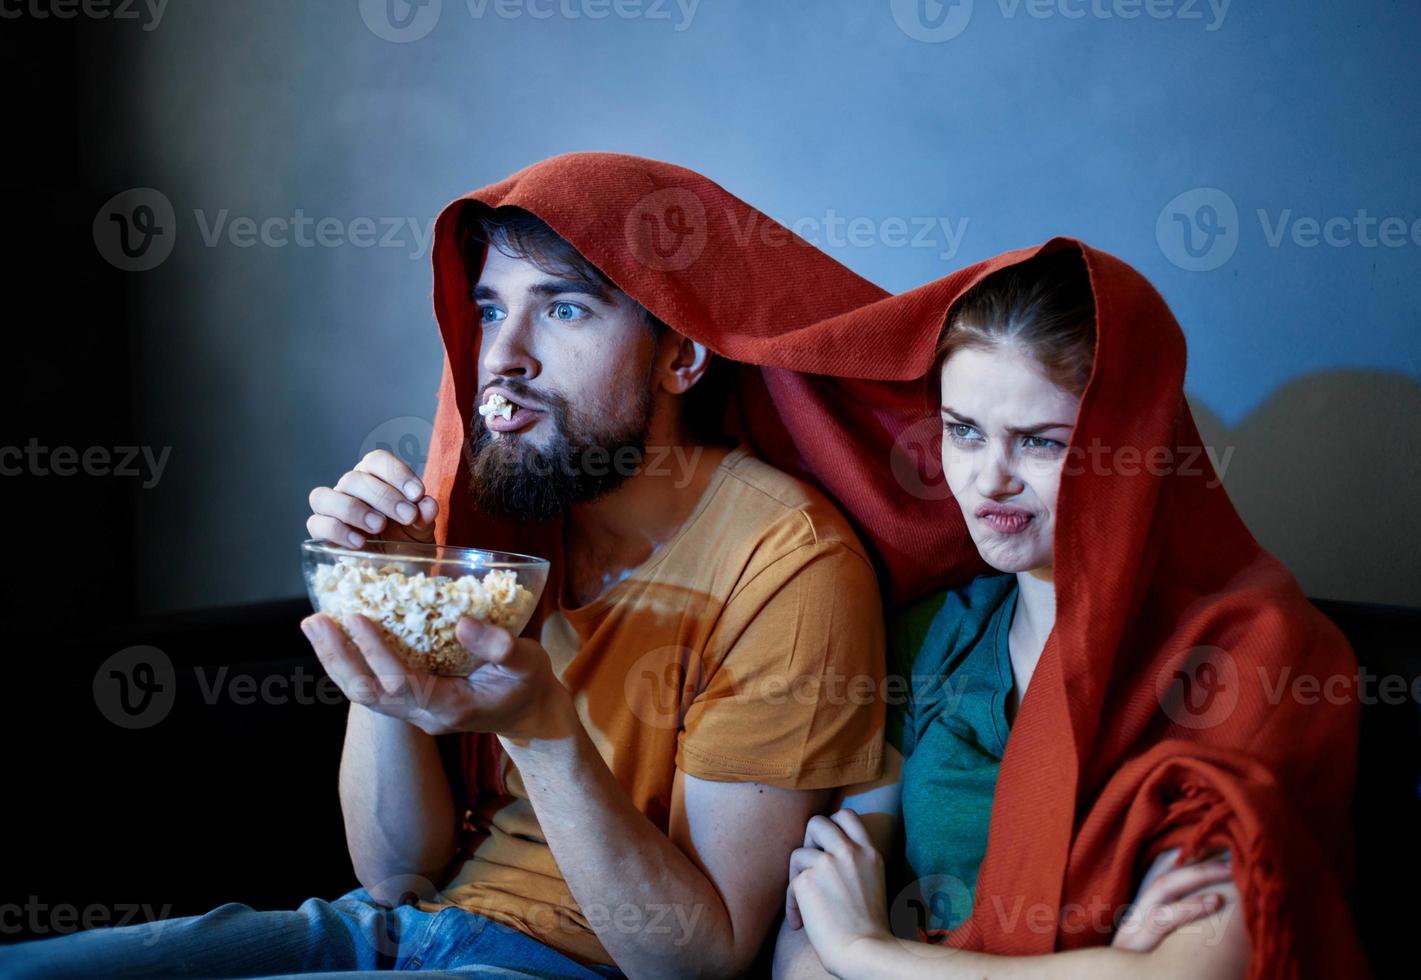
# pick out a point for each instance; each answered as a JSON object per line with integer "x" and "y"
{"x": 1099, "y": 708}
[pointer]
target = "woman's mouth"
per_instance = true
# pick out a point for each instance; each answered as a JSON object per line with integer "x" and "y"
{"x": 1004, "y": 520}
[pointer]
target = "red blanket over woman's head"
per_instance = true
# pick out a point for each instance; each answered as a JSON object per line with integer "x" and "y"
{"x": 1173, "y": 704}
{"x": 1189, "y": 694}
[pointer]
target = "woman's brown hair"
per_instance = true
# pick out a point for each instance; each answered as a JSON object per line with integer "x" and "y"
{"x": 1042, "y": 306}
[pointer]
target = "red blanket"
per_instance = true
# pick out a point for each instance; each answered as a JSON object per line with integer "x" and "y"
{"x": 1172, "y": 706}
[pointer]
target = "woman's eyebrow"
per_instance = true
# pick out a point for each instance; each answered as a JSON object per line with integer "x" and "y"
{"x": 1043, "y": 427}
{"x": 1030, "y": 430}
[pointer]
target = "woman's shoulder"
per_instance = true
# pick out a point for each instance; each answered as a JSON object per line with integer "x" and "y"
{"x": 940, "y": 625}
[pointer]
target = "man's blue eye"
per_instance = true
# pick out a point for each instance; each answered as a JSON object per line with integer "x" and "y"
{"x": 490, "y": 314}
{"x": 567, "y": 311}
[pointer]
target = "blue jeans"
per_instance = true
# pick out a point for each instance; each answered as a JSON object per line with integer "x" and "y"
{"x": 350, "y": 937}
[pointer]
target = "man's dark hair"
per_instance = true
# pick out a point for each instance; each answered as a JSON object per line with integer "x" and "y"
{"x": 523, "y": 235}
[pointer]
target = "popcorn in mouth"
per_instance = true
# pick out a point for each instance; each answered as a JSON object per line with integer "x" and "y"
{"x": 496, "y": 405}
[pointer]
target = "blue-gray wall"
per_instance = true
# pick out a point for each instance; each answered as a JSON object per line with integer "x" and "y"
{"x": 1196, "y": 140}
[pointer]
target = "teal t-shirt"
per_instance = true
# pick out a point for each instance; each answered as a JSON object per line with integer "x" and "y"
{"x": 952, "y": 730}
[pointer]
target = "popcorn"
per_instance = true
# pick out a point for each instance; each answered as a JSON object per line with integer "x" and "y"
{"x": 419, "y": 612}
{"x": 497, "y": 405}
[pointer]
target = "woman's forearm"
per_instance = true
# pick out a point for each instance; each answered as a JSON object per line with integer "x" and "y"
{"x": 1213, "y": 949}
{"x": 903, "y": 959}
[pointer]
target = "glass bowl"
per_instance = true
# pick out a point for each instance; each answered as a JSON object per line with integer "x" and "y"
{"x": 417, "y": 593}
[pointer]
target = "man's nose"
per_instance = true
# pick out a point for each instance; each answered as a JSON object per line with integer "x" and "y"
{"x": 508, "y": 349}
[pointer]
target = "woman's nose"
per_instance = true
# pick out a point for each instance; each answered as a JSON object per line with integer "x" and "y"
{"x": 996, "y": 476}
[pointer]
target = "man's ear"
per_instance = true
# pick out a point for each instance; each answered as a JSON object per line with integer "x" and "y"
{"x": 683, "y": 362}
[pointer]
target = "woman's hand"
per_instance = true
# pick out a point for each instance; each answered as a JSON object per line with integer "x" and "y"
{"x": 837, "y": 891}
{"x": 1176, "y": 898}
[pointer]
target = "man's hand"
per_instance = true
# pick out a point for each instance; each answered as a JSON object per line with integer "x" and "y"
{"x": 837, "y": 890}
{"x": 511, "y": 692}
{"x": 380, "y": 497}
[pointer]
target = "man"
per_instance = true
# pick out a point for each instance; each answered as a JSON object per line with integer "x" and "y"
{"x": 728, "y": 579}
{"x": 708, "y": 656}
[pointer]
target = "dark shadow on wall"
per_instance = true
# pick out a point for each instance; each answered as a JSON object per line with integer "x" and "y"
{"x": 1326, "y": 474}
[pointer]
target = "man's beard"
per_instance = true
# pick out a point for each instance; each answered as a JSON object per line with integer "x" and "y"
{"x": 513, "y": 480}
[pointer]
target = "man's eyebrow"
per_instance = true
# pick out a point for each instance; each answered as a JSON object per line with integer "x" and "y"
{"x": 551, "y": 287}
{"x": 560, "y": 287}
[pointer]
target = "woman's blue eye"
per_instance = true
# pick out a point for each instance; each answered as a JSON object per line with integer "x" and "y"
{"x": 1041, "y": 442}
{"x": 961, "y": 432}
{"x": 490, "y": 314}
{"x": 567, "y": 311}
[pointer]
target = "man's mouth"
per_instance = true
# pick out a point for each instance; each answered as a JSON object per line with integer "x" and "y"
{"x": 503, "y": 414}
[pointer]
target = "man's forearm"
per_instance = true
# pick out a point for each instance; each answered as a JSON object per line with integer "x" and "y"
{"x": 795, "y": 958}
{"x": 398, "y": 808}
{"x": 653, "y": 909}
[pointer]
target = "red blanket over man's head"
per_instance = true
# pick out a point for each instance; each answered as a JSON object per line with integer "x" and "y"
{"x": 1163, "y": 712}
{"x": 728, "y": 276}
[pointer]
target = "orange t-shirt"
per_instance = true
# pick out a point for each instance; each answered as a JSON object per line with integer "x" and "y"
{"x": 749, "y": 648}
